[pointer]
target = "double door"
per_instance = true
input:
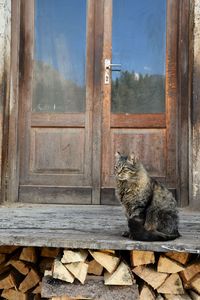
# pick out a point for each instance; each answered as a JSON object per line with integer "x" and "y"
{"x": 96, "y": 77}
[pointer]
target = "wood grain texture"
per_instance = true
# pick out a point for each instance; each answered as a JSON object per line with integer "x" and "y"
{"x": 86, "y": 227}
{"x": 92, "y": 289}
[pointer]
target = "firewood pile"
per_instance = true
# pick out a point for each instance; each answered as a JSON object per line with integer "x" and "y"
{"x": 170, "y": 276}
{"x": 26, "y": 272}
{"x": 22, "y": 269}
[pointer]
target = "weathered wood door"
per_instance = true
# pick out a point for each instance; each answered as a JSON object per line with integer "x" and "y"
{"x": 56, "y": 86}
{"x": 77, "y": 107}
{"x": 140, "y": 87}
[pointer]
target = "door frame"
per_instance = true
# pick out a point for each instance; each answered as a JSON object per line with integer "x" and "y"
{"x": 183, "y": 61}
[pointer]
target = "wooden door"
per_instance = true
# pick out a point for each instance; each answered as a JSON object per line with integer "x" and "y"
{"x": 95, "y": 78}
{"x": 140, "y": 88}
{"x": 55, "y": 101}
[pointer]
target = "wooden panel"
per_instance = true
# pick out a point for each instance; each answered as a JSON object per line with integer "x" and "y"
{"x": 148, "y": 144}
{"x": 55, "y": 195}
{"x": 138, "y": 121}
{"x": 57, "y": 120}
{"x": 57, "y": 150}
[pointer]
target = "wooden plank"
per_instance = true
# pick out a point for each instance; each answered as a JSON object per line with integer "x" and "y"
{"x": 42, "y": 225}
{"x": 58, "y": 120}
{"x": 138, "y": 121}
{"x": 93, "y": 288}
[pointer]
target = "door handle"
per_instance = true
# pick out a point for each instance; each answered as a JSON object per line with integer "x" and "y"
{"x": 108, "y": 68}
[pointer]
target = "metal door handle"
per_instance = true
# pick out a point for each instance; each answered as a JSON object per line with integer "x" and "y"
{"x": 108, "y": 68}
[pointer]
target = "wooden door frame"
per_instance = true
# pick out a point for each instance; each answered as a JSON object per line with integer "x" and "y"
{"x": 10, "y": 170}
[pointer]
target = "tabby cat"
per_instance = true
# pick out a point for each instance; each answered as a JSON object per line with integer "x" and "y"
{"x": 150, "y": 207}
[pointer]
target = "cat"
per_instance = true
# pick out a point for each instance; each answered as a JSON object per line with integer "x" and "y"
{"x": 149, "y": 206}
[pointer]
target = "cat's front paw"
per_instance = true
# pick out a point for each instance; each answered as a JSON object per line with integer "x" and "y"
{"x": 126, "y": 234}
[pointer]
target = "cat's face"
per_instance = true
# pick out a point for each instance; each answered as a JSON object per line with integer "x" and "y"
{"x": 125, "y": 166}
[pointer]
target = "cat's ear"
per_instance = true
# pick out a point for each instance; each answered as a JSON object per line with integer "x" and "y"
{"x": 117, "y": 156}
{"x": 132, "y": 158}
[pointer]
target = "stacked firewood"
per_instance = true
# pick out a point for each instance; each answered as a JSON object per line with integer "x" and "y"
{"x": 170, "y": 276}
{"x": 22, "y": 269}
{"x": 78, "y": 264}
{"x": 78, "y": 274}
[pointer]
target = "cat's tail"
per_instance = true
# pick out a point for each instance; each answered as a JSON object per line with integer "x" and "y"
{"x": 138, "y": 232}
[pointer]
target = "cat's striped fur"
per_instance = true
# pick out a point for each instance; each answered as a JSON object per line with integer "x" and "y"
{"x": 150, "y": 207}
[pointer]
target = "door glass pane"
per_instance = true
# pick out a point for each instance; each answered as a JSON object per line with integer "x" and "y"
{"x": 139, "y": 45}
{"x": 60, "y": 50}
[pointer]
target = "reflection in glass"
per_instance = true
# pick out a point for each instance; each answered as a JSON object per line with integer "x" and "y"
{"x": 139, "y": 45}
{"x": 59, "y": 65}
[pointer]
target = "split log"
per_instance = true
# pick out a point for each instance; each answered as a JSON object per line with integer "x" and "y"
{"x": 79, "y": 270}
{"x": 172, "y": 285}
{"x": 8, "y": 281}
{"x": 20, "y": 266}
{"x": 181, "y": 257}
{"x": 150, "y": 276}
{"x": 94, "y": 268}
{"x": 147, "y": 293}
{"x": 122, "y": 276}
{"x": 108, "y": 261}
{"x": 30, "y": 281}
{"x": 166, "y": 265}
{"x": 28, "y": 254}
{"x": 139, "y": 258}
{"x": 12, "y": 294}
{"x": 190, "y": 272}
{"x": 195, "y": 283}
{"x": 49, "y": 252}
{"x": 70, "y": 256}
{"x": 61, "y": 272}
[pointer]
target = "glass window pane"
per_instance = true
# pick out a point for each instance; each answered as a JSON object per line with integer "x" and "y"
{"x": 60, "y": 50}
{"x": 139, "y": 45}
